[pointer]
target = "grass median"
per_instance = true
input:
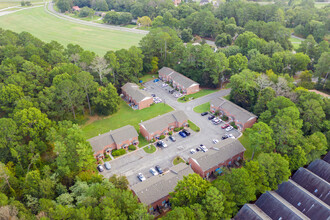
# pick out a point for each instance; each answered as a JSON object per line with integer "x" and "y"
{"x": 150, "y": 149}
{"x": 178, "y": 160}
{"x": 202, "y": 92}
{"x": 202, "y": 108}
{"x": 193, "y": 126}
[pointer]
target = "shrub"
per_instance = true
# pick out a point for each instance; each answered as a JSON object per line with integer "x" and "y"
{"x": 118, "y": 152}
{"x": 131, "y": 147}
{"x": 22, "y": 3}
{"x": 106, "y": 155}
{"x": 161, "y": 137}
{"x": 170, "y": 133}
{"x": 181, "y": 128}
{"x": 176, "y": 129}
{"x": 235, "y": 126}
{"x": 232, "y": 123}
{"x": 198, "y": 129}
{"x": 28, "y": 3}
{"x": 152, "y": 104}
{"x": 152, "y": 140}
{"x": 224, "y": 118}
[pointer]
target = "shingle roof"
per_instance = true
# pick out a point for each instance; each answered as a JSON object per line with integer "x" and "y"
{"x": 327, "y": 157}
{"x": 178, "y": 77}
{"x": 135, "y": 92}
{"x": 277, "y": 208}
{"x": 116, "y": 136}
{"x": 161, "y": 122}
{"x": 313, "y": 184}
{"x": 220, "y": 152}
{"x": 157, "y": 187}
{"x": 304, "y": 201}
{"x": 320, "y": 168}
{"x": 240, "y": 114}
{"x": 251, "y": 212}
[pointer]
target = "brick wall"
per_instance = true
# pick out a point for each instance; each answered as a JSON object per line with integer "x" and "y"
{"x": 159, "y": 202}
{"x": 249, "y": 124}
{"x": 192, "y": 89}
{"x": 195, "y": 167}
{"x": 145, "y": 103}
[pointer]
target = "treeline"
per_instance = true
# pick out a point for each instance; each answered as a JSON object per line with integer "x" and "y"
{"x": 47, "y": 168}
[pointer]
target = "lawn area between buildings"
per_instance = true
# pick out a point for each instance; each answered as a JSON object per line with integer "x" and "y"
{"x": 202, "y": 108}
{"x": 142, "y": 141}
{"x": 202, "y": 92}
{"x": 295, "y": 42}
{"x": 178, "y": 160}
{"x": 47, "y": 28}
{"x": 125, "y": 116}
{"x": 148, "y": 77}
{"x": 244, "y": 139}
{"x": 149, "y": 149}
{"x": 193, "y": 126}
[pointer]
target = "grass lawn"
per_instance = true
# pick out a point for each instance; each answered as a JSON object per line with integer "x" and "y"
{"x": 196, "y": 95}
{"x": 125, "y": 116}
{"x": 47, "y": 28}
{"x": 149, "y": 149}
{"x": 178, "y": 160}
{"x": 226, "y": 97}
{"x": 107, "y": 159}
{"x": 202, "y": 108}
{"x": 244, "y": 139}
{"x": 193, "y": 126}
{"x": 148, "y": 77}
{"x": 295, "y": 42}
{"x": 142, "y": 141}
{"x": 321, "y": 4}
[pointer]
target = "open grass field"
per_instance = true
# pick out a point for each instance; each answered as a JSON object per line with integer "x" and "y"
{"x": 125, "y": 116}
{"x": 196, "y": 95}
{"x": 202, "y": 108}
{"x": 47, "y": 28}
{"x": 295, "y": 42}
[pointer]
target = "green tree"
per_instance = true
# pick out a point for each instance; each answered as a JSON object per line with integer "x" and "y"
{"x": 64, "y": 5}
{"x": 186, "y": 35}
{"x": 190, "y": 190}
{"x": 306, "y": 80}
{"x": 260, "y": 138}
{"x": 264, "y": 96}
{"x": 144, "y": 21}
{"x": 297, "y": 158}
{"x": 259, "y": 176}
{"x": 119, "y": 182}
{"x": 223, "y": 40}
{"x": 322, "y": 67}
{"x": 315, "y": 146}
{"x": 9, "y": 137}
{"x": 237, "y": 63}
{"x": 214, "y": 197}
{"x": 31, "y": 184}
{"x": 107, "y": 100}
{"x": 100, "y": 66}
{"x": 276, "y": 168}
{"x": 229, "y": 203}
{"x": 243, "y": 40}
{"x": 8, "y": 96}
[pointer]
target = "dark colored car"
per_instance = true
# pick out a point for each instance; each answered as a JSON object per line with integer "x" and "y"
{"x": 186, "y": 132}
{"x": 159, "y": 170}
{"x": 171, "y": 91}
{"x": 159, "y": 144}
{"x": 204, "y": 113}
{"x": 182, "y": 134}
{"x": 153, "y": 95}
{"x": 100, "y": 168}
{"x": 211, "y": 117}
{"x": 224, "y": 137}
{"x": 172, "y": 138}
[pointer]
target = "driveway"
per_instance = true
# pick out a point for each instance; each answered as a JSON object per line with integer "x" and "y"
{"x": 139, "y": 161}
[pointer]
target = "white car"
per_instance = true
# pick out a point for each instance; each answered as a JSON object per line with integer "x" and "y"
{"x": 204, "y": 149}
{"x": 192, "y": 151}
{"x": 164, "y": 85}
{"x": 229, "y": 128}
{"x": 215, "y": 141}
{"x": 231, "y": 136}
{"x": 153, "y": 171}
{"x": 141, "y": 177}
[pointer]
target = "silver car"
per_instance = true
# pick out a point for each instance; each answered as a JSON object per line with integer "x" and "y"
{"x": 107, "y": 165}
{"x": 153, "y": 171}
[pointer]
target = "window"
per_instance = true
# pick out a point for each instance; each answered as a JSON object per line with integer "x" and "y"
{"x": 163, "y": 202}
{"x": 229, "y": 163}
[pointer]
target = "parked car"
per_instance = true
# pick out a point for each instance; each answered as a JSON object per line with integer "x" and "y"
{"x": 171, "y": 91}
{"x": 231, "y": 136}
{"x": 141, "y": 177}
{"x": 204, "y": 113}
{"x": 153, "y": 95}
{"x": 100, "y": 168}
{"x": 156, "y": 80}
{"x": 211, "y": 117}
{"x": 172, "y": 138}
{"x": 198, "y": 149}
{"x": 225, "y": 126}
{"x": 153, "y": 171}
{"x": 182, "y": 134}
{"x": 204, "y": 149}
{"x": 159, "y": 170}
{"x": 229, "y": 128}
{"x": 192, "y": 151}
{"x": 186, "y": 132}
{"x": 215, "y": 141}
{"x": 224, "y": 137}
{"x": 217, "y": 122}
{"x": 164, "y": 85}
{"x": 161, "y": 144}
{"x": 107, "y": 165}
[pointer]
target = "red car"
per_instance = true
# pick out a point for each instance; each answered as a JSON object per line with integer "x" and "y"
{"x": 225, "y": 126}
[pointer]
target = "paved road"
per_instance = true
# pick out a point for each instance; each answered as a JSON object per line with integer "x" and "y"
{"x": 139, "y": 161}
{"x": 52, "y": 11}
{"x": 294, "y": 36}
{"x": 4, "y": 12}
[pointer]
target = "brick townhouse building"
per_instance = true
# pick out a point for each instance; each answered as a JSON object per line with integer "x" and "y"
{"x": 222, "y": 154}
{"x": 179, "y": 81}
{"x": 120, "y": 138}
{"x": 162, "y": 124}
{"x": 154, "y": 192}
{"x": 136, "y": 97}
{"x": 242, "y": 118}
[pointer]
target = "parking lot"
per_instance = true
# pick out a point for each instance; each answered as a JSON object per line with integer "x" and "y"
{"x": 140, "y": 161}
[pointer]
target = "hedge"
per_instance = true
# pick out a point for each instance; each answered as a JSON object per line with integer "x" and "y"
{"x": 118, "y": 152}
{"x": 177, "y": 129}
{"x": 161, "y": 137}
{"x": 170, "y": 133}
{"x": 131, "y": 147}
{"x": 224, "y": 118}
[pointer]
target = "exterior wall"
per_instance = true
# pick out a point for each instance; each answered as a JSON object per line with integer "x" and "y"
{"x": 111, "y": 146}
{"x": 197, "y": 169}
{"x": 145, "y": 133}
{"x": 160, "y": 202}
{"x": 145, "y": 103}
{"x": 149, "y": 136}
{"x": 250, "y": 123}
{"x": 192, "y": 89}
